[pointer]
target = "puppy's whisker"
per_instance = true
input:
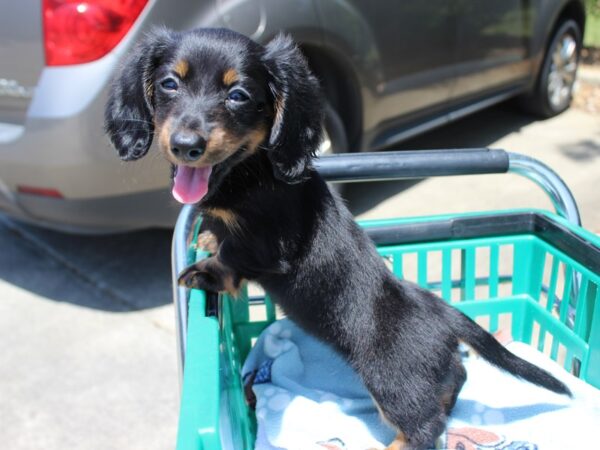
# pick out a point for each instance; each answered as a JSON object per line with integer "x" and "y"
{"x": 139, "y": 120}
{"x": 129, "y": 130}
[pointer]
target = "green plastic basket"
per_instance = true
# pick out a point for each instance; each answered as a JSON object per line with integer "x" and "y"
{"x": 532, "y": 271}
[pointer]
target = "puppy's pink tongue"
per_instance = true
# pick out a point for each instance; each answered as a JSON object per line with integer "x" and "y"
{"x": 190, "y": 184}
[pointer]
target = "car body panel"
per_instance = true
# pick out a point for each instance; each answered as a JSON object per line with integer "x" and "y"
{"x": 409, "y": 77}
{"x": 21, "y": 56}
{"x": 261, "y": 20}
{"x": 102, "y": 214}
{"x": 492, "y": 45}
{"x": 398, "y": 73}
{"x": 60, "y": 142}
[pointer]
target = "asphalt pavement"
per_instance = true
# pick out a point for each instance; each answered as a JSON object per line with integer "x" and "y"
{"x": 87, "y": 328}
{"x": 568, "y": 143}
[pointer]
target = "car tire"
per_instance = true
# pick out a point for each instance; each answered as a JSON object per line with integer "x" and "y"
{"x": 334, "y": 138}
{"x": 553, "y": 91}
{"x": 334, "y": 133}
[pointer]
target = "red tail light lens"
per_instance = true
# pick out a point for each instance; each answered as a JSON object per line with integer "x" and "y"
{"x": 77, "y": 31}
{"x": 40, "y": 191}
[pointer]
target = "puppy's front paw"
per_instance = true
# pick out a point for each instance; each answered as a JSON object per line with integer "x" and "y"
{"x": 207, "y": 242}
{"x": 200, "y": 276}
{"x": 192, "y": 278}
{"x": 209, "y": 274}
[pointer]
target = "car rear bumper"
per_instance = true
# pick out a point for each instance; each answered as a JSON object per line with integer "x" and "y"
{"x": 61, "y": 146}
{"x": 94, "y": 215}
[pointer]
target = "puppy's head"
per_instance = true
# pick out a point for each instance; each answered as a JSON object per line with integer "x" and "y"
{"x": 214, "y": 97}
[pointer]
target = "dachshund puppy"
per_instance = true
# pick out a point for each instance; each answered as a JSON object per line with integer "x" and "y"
{"x": 240, "y": 123}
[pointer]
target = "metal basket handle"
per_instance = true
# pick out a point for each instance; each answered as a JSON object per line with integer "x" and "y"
{"x": 415, "y": 164}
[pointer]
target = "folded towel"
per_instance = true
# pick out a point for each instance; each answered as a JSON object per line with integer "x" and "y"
{"x": 307, "y": 397}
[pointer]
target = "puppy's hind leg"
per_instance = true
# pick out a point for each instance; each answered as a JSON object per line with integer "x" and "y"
{"x": 399, "y": 443}
{"x": 451, "y": 386}
{"x": 417, "y": 428}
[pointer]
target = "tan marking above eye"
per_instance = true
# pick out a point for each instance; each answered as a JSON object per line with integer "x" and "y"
{"x": 230, "y": 76}
{"x": 181, "y": 68}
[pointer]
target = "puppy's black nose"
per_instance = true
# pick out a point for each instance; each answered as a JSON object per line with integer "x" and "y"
{"x": 187, "y": 145}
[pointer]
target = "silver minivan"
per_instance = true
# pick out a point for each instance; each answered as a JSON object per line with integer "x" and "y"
{"x": 389, "y": 69}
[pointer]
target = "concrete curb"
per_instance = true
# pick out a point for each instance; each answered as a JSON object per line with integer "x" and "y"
{"x": 589, "y": 74}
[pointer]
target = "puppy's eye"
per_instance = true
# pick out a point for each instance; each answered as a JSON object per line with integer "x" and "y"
{"x": 238, "y": 96}
{"x": 169, "y": 84}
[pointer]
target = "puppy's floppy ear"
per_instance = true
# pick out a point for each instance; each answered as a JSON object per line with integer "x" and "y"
{"x": 129, "y": 110}
{"x": 297, "y": 103}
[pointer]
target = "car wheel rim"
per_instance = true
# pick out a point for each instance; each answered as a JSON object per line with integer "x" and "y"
{"x": 562, "y": 71}
{"x": 326, "y": 146}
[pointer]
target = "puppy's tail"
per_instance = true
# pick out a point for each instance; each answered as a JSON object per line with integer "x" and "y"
{"x": 490, "y": 349}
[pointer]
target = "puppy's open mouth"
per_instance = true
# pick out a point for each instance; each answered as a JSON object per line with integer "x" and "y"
{"x": 190, "y": 184}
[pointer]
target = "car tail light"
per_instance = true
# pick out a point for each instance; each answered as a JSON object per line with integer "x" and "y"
{"x": 77, "y": 31}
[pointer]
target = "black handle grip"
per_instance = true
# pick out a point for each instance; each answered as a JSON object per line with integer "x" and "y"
{"x": 411, "y": 164}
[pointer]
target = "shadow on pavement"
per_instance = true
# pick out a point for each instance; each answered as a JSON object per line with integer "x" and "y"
{"x": 585, "y": 150}
{"x": 478, "y": 130}
{"x": 119, "y": 273}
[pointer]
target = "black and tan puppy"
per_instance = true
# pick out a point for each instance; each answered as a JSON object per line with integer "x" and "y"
{"x": 240, "y": 123}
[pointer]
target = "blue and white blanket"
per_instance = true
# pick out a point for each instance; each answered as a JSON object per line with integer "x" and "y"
{"x": 307, "y": 397}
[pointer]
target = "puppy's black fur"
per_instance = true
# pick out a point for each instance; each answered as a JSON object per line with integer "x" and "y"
{"x": 272, "y": 219}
